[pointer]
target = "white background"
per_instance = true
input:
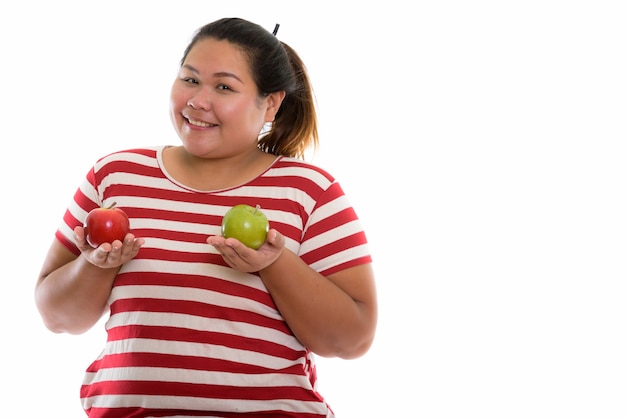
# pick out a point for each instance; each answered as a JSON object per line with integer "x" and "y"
{"x": 481, "y": 142}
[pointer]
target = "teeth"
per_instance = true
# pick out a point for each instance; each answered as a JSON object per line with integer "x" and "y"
{"x": 199, "y": 123}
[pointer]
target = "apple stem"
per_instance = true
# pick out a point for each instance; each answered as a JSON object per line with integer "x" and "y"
{"x": 258, "y": 207}
{"x": 112, "y": 205}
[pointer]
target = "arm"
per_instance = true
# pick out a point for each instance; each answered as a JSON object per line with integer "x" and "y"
{"x": 333, "y": 316}
{"x": 71, "y": 292}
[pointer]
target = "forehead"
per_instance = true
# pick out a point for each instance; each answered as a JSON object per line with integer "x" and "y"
{"x": 211, "y": 55}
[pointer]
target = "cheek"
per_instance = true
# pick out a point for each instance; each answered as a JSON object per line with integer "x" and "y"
{"x": 247, "y": 113}
{"x": 172, "y": 115}
{"x": 173, "y": 110}
{"x": 175, "y": 117}
{"x": 177, "y": 101}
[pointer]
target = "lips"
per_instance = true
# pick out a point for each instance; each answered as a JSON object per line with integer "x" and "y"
{"x": 199, "y": 123}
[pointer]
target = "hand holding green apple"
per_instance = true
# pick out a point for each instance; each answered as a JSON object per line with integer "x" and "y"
{"x": 247, "y": 224}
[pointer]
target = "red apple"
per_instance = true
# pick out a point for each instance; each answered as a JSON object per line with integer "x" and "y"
{"x": 106, "y": 225}
{"x": 247, "y": 224}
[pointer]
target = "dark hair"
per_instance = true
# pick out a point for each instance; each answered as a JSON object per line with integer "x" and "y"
{"x": 275, "y": 66}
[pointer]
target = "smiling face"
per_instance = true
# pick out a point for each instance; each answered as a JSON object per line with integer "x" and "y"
{"x": 214, "y": 102}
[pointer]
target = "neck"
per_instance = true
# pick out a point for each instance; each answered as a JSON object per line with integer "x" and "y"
{"x": 215, "y": 173}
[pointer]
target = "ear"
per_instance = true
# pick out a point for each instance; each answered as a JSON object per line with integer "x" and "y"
{"x": 272, "y": 103}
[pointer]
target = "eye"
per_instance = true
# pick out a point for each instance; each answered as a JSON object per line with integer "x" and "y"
{"x": 189, "y": 80}
{"x": 223, "y": 87}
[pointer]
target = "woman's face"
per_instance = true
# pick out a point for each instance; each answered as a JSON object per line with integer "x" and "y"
{"x": 214, "y": 102}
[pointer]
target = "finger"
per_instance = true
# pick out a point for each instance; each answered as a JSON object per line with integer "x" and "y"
{"x": 276, "y": 238}
{"x": 115, "y": 254}
{"x": 79, "y": 236}
{"x": 79, "y": 232}
{"x": 227, "y": 250}
{"x": 215, "y": 240}
{"x": 137, "y": 244}
{"x": 100, "y": 254}
{"x": 129, "y": 238}
{"x": 131, "y": 246}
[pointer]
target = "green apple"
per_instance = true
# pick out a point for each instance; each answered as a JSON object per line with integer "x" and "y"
{"x": 247, "y": 224}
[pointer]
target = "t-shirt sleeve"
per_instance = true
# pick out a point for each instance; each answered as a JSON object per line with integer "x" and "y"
{"x": 334, "y": 238}
{"x": 85, "y": 199}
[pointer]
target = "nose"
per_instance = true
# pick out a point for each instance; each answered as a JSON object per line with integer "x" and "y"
{"x": 199, "y": 101}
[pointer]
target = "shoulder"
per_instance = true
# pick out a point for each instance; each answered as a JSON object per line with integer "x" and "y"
{"x": 140, "y": 161}
{"x": 143, "y": 156}
{"x": 130, "y": 153}
{"x": 294, "y": 167}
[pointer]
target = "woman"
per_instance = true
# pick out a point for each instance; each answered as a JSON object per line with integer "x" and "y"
{"x": 200, "y": 325}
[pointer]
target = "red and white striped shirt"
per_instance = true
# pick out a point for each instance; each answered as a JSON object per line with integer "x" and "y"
{"x": 188, "y": 335}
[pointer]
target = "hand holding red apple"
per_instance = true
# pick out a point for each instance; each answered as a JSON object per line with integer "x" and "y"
{"x": 95, "y": 238}
{"x": 105, "y": 225}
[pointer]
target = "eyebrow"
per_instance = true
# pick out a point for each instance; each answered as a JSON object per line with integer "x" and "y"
{"x": 218, "y": 74}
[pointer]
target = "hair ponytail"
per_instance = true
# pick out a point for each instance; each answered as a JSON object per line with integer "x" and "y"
{"x": 294, "y": 129}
